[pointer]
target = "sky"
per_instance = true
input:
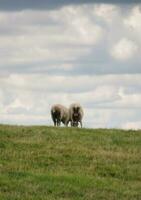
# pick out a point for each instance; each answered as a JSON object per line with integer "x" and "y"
{"x": 67, "y": 51}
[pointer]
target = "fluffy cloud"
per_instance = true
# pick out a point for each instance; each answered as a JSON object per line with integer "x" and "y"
{"x": 32, "y": 41}
{"x": 124, "y": 49}
{"x": 70, "y": 40}
{"x": 132, "y": 125}
{"x": 133, "y": 20}
{"x": 107, "y": 12}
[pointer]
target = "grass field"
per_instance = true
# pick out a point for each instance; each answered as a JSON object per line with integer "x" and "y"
{"x": 71, "y": 164}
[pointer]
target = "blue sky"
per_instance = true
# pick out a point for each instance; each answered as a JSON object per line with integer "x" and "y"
{"x": 71, "y": 51}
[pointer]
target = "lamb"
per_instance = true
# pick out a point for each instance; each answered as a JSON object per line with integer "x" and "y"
{"x": 76, "y": 114}
{"x": 59, "y": 113}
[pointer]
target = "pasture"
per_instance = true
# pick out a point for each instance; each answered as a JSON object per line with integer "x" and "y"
{"x": 47, "y": 163}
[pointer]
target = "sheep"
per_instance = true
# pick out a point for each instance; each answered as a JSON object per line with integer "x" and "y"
{"x": 76, "y": 114}
{"x": 59, "y": 113}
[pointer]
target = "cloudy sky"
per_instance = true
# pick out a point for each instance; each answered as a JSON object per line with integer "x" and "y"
{"x": 65, "y": 51}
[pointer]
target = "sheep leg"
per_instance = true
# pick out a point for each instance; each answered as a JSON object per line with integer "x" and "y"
{"x": 54, "y": 121}
{"x": 67, "y": 122}
{"x": 58, "y": 122}
{"x": 81, "y": 123}
{"x": 71, "y": 123}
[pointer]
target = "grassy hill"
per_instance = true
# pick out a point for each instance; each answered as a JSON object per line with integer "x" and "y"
{"x": 38, "y": 163}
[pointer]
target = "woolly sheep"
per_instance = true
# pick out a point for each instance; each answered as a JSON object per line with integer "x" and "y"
{"x": 59, "y": 113}
{"x": 76, "y": 114}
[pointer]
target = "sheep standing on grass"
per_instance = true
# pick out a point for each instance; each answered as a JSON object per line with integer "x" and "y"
{"x": 76, "y": 114}
{"x": 59, "y": 113}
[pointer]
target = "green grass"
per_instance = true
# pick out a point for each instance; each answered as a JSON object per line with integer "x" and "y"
{"x": 38, "y": 163}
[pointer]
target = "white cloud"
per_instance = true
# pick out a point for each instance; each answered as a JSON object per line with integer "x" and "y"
{"x": 132, "y": 125}
{"x": 79, "y": 27}
{"x": 124, "y": 49}
{"x": 33, "y": 49}
{"x": 67, "y": 34}
{"x": 134, "y": 19}
{"x": 47, "y": 35}
{"x": 73, "y": 84}
{"x": 24, "y": 119}
{"x": 108, "y": 12}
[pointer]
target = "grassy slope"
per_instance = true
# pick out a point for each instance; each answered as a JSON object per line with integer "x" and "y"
{"x": 58, "y": 163}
